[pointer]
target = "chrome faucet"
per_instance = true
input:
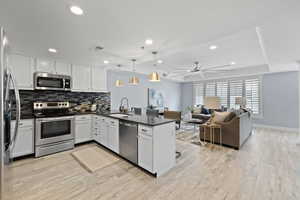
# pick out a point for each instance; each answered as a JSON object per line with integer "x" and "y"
{"x": 121, "y": 108}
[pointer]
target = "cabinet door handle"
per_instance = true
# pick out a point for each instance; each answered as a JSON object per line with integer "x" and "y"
{"x": 144, "y": 130}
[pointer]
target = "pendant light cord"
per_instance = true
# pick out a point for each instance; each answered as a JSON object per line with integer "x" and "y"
{"x": 133, "y": 65}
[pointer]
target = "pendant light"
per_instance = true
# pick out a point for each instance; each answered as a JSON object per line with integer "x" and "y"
{"x": 134, "y": 80}
{"x": 119, "y": 83}
{"x": 154, "y": 76}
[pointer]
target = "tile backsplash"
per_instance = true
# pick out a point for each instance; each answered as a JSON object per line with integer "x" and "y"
{"x": 29, "y": 96}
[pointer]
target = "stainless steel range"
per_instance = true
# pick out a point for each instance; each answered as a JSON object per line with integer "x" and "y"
{"x": 54, "y": 127}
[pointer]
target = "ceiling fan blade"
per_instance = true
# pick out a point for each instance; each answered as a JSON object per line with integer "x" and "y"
{"x": 216, "y": 67}
{"x": 201, "y": 73}
{"x": 179, "y": 71}
{"x": 219, "y": 70}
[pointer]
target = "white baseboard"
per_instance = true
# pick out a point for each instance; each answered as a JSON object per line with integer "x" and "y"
{"x": 279, "y": 128}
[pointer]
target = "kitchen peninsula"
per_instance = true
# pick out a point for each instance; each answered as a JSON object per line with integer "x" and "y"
{"x": 146, "y": 141}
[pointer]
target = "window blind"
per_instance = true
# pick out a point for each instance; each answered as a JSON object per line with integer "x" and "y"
{"x": 222, "y": 92}
{"x": 228, "y": 90}
{"x": 252, "y": 93}
{"x": 198, "y": 91}
{"x": 236, "y": 90}
{"x": 210, "y": 89}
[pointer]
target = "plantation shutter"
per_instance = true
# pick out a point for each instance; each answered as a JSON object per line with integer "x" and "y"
{"x": 252, "y": 87}
{"x": 236, "y": 90}
{"x": 222, "y": 92}
{"x": 198, "y": 91}
{"x": 210, "y": 89}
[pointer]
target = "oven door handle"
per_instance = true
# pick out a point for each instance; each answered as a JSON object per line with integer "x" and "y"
{"x": 55, "y": 119}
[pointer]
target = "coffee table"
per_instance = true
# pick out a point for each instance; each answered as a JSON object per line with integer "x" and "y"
{"x": 195, "y": 123}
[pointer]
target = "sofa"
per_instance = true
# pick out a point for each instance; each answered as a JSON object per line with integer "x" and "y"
{"x": 234, "y": 132}
{"x": 200, "y": 112}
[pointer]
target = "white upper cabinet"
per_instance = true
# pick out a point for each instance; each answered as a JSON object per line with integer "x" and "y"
{"x": 43, "y": 65}
{"x": 23, "y": 69}
{"x": 81, "y": 76}
{"x": 63, "y": 68}
{"x": 99, "y": 79}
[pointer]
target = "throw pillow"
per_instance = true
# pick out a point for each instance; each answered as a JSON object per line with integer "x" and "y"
{"x": 230, "y": 117}
{"x": 219, "y": 116}
{"x": 205, "y": 111}
{"x": 197, "y": 110}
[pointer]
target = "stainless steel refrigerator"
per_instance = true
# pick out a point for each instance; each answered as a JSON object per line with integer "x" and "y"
{"x": 9, "y": 100}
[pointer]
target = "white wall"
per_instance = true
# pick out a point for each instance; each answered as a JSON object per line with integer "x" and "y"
{"x": 280, "y": 100}
{"x": 186, "y": 95}
{"x": 138, "y": 95}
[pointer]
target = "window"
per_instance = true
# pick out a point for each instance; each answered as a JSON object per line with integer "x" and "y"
{"x": 236, "y": 90}
{"x": 210, "y": 89}
{"x": 198, "y": 91}
{"x": 253, "y": 95}
{"x": 222, "y": 92}
{"x": 228, "y": 90}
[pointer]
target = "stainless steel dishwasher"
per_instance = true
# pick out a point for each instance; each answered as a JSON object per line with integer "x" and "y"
{"x": 128, "y": 141}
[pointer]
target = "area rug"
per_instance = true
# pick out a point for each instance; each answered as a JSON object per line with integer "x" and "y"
{"x": 94, "y": 158}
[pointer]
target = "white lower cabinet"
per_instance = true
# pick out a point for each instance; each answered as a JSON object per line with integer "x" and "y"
{"x": 106, "y": 132}
{"x": 103, "y": 134}
{"x": 113, "y": 135}
{"x": 24, "y": 144}
{"x": 83, "y": 128}
{"x": 156, "y": 148}
{"x": 96, "y": 128}
{"x": 145, "y": 149}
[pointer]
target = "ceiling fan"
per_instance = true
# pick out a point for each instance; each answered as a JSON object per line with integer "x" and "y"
{"x": 198, "y": 69}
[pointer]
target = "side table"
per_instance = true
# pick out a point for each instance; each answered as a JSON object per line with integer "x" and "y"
{"x": 212, "y": 128}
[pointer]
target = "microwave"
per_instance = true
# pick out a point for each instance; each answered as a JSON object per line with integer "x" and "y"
{"x": 47, "y": 81}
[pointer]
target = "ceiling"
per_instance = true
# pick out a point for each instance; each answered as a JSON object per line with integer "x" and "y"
{"x": 182, "y": 32}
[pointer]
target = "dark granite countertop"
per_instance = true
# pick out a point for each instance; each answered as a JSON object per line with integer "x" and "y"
{"x": 140, "y": 119}
{"x": 23, "y": 116}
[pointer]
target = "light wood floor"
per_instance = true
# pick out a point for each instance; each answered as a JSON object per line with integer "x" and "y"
{"x": 267, "y": 167}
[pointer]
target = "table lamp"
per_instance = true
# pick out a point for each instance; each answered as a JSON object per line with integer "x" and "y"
{"x": 212, "y": 102}
{"x": 241, "y": 101}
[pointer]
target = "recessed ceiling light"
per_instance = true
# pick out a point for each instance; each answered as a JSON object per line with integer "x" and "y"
{"x": 52, "y": 50}
{"x": 159, "y": 61}
{"x": 213, "y": 47}
{"x": 149, "y": 42}
{"x": 105, "y": 61}
{"x": 233, "y": 63}
{"x": 76, "y": 10}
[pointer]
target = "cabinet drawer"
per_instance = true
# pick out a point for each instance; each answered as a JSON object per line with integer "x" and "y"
{"x": 113, "y": 122}
{"x": 103, "y": 119}
{"x": 96, "y": 117}
{"x": 82, "y": 117}
{"x": 146, "y": 130}
{"x": 23, "y": 123}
